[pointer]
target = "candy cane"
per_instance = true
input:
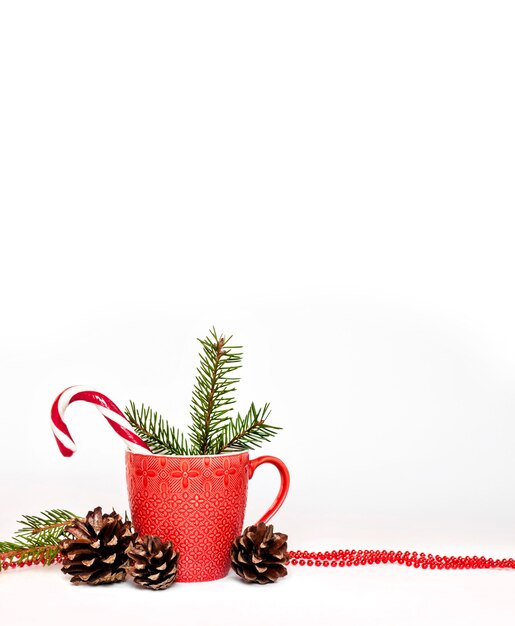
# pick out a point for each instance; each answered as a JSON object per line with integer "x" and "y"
{"x": 107, "y": 407}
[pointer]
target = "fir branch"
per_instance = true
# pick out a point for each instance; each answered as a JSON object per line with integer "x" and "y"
{"x": 212, "y": 399}
{"x": 247, "y": 433}
{"x": 39, "y": 537}
{"x": 53, "y": 520}
{"x": 13, "y": 552}
{"x": 156, "y": 431}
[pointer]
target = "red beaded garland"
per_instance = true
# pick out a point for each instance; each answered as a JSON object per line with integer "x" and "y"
{"x": 343, "y": 558}
{"x": 410, "y": 559}
{"x": 17, "y": 561}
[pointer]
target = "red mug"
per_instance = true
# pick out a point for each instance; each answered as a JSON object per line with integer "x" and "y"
{"x": 197, "y": 502}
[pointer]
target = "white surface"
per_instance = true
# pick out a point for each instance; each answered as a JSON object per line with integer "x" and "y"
{"x": 362, "y": 596}
{"x": 331, "y": 182}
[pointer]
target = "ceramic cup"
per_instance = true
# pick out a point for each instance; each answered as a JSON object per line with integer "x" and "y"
{"x": 198, "y": 502}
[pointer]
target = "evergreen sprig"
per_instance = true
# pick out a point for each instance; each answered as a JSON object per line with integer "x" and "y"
{"x": 156, "y": 431}
{"x": 51, "y": 521}
{"x": 212, "y": 393}
{"x": 38, "y": 537}
{"x": 247, "y": 433}
{"x": 212, "y": 429}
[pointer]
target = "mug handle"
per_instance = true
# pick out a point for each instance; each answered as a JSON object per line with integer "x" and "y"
{"x": 283, "y": 489}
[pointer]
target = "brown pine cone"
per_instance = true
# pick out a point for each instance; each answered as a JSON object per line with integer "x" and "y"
{"x": 97, "y": 555}
{"x": 259, "y": 555}
{"x": 152, "y": 562}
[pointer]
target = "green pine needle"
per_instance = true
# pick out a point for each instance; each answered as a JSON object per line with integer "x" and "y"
{"x": 39, "y": 536}
{"x": 247, "y": 433}
{"x": 160, "y": 437}
{"x": 212, "y": 393}
{"x": 49, "y": 521}
{"x": 212, "y": 429}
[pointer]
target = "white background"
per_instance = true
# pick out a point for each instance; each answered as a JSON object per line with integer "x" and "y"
{"x": 332, "y": 182}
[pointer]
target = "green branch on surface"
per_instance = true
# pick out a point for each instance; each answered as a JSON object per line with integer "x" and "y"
{"x": 38, "y": 537}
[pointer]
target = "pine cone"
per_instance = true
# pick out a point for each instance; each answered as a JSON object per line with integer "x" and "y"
{"x": 152, "y": 562}
{"x": 97, "y": 555}
{"x": 259, "y": 555}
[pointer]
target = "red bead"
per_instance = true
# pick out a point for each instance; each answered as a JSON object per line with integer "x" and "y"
{"x": 348, "y": 557}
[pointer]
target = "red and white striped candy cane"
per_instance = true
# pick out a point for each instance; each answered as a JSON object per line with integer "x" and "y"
{"x": 109, "y": 410}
